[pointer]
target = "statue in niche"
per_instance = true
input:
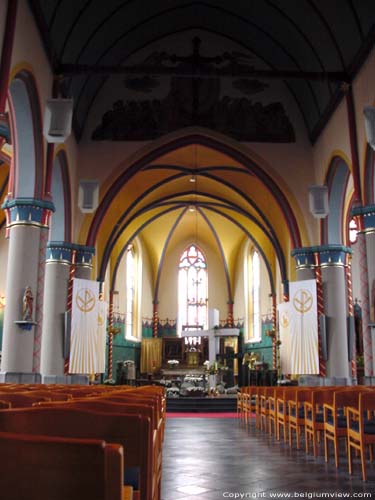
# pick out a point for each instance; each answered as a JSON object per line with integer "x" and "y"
{"x": 27, "y": 305}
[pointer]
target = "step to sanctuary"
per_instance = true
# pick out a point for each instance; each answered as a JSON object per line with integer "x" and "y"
{"x": 203, "y": 405}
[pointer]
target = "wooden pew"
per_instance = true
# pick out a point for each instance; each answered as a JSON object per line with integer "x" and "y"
{"x": 130, "y": 406}
{"x": 133, "y": 432}
{"x": 21, "y": 400}
{"x": 46, "y": 468}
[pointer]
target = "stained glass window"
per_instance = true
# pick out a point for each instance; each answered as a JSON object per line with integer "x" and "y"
{"x": 255, "y": 295}
{"x": 192, "y": 285}
{"x": 130, "y": 292}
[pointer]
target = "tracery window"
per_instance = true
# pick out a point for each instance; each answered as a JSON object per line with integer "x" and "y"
{"x": 255, "y": 331}
{"x": 130, "y": 292}
{"x": 192, "y": 288}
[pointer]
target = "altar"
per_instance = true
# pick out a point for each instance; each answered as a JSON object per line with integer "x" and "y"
{"x": 214, "y": 333}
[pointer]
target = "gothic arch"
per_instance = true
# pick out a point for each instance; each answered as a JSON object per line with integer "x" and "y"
{"x": 337, "y": 179}
{"x": 61, "y": 196}
{"x": 26, "y": 180}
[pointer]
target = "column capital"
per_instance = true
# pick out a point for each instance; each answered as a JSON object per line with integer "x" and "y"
{"x": 84, "y": 255}
{"x": 28, "y": 212}
{"x": 304, "y": 257}
{"x": 367, "y": 213}
{"x": 330, "y": 255}
{"x": 59, "y": 251}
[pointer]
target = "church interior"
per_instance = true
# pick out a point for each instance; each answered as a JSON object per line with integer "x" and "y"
{"x": 188, "y": 212}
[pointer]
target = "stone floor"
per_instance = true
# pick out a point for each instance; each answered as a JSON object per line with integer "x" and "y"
{"x": 216, "y": 458}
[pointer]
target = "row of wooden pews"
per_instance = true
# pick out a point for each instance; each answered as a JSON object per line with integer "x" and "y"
{"x": 320, "y": 414}
{"x": 102, "y": 421}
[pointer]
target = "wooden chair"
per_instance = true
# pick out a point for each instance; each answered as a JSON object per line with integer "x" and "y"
{"x": 242, "y": 395}
{"x": 251, "y": 404}
{"x": 282, "y": 411}
{"x": 264, "y": 406}
{"x": 361, "y": 429}
{"x": 272, "y": 411}
{"x": 52, "y": 468}
{"x": 296, "y": 413}
{"x": 133, "y": 432}
{"x": 314, "y": 417}
{"x": 335, "y": 421}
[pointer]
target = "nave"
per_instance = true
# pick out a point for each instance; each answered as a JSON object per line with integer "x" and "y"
{"x": 216, "y": 458}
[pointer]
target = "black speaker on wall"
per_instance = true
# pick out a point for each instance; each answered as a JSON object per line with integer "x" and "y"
{"x": 351, "y": 336}
{"x": 66, "y": 338}
{"x": 323, "y": 335}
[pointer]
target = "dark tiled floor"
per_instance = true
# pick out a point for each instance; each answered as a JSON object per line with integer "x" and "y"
{"x": 212, "y": 459}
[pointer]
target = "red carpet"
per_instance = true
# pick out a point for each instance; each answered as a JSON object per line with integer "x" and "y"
{"x": 202, "y": 415}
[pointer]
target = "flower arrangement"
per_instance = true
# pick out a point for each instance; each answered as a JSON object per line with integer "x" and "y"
{"x": 173, "y": 363}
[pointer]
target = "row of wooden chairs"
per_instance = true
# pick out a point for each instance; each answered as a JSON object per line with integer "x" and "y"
{"x": 133, "y": 418}
{"x": 337, "y": 412}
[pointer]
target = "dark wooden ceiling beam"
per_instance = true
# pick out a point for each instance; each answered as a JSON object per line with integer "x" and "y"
{"x": 72, "y": 70}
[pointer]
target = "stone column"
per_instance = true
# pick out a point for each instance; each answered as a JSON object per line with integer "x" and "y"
{"x": 365, "y": 217}
{"x": 58, "y": 262}
{"x": 332, "y": 263}
{"x": 27, "y": 219}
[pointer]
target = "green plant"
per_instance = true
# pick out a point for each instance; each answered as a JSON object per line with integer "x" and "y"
{"x": 360, "y": 361}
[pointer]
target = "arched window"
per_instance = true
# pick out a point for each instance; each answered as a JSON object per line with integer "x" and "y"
{"x": 192, "y": 288}
{"x": 130, "y": 292}
{"x": 255, "y": 296}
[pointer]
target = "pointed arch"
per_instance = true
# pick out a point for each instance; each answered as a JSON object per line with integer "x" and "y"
{"x": 61, "y": 196}
{"x": 337, "y": 178}
{"x": 26, "y": 180}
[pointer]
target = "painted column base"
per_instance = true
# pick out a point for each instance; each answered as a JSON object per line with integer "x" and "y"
{"x": 20, "y": 378}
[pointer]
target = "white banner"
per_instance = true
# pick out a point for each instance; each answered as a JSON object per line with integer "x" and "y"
{"x": 286, "y": 345}
{"x": 304, "y": 328}
{"x": 84, "y": 327}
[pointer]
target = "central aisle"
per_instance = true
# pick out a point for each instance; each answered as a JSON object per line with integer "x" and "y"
{"x": 216, "y": 458}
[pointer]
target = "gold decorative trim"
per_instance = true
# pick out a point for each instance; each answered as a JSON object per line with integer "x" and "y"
{"x": 59, "y": 261}
{"x": 333, "y": 264}
{"x": 27, "y": 224}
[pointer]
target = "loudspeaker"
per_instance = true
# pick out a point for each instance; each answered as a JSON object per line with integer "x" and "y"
{"x": 67, "y": 330}
{"x": 369, "y": 113}
{"x": 318, "y": 201}
{"x": 323, "y": 336}
{"x": 351, "y": 337}
{"x": 88, "y": 196}
{"x": 58, "y": 120}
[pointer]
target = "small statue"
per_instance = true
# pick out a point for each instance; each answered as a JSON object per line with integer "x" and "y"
{"x": 27, "y": 306}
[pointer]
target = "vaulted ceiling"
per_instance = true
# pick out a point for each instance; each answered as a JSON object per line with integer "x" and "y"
{"x": 303, "y": 49}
